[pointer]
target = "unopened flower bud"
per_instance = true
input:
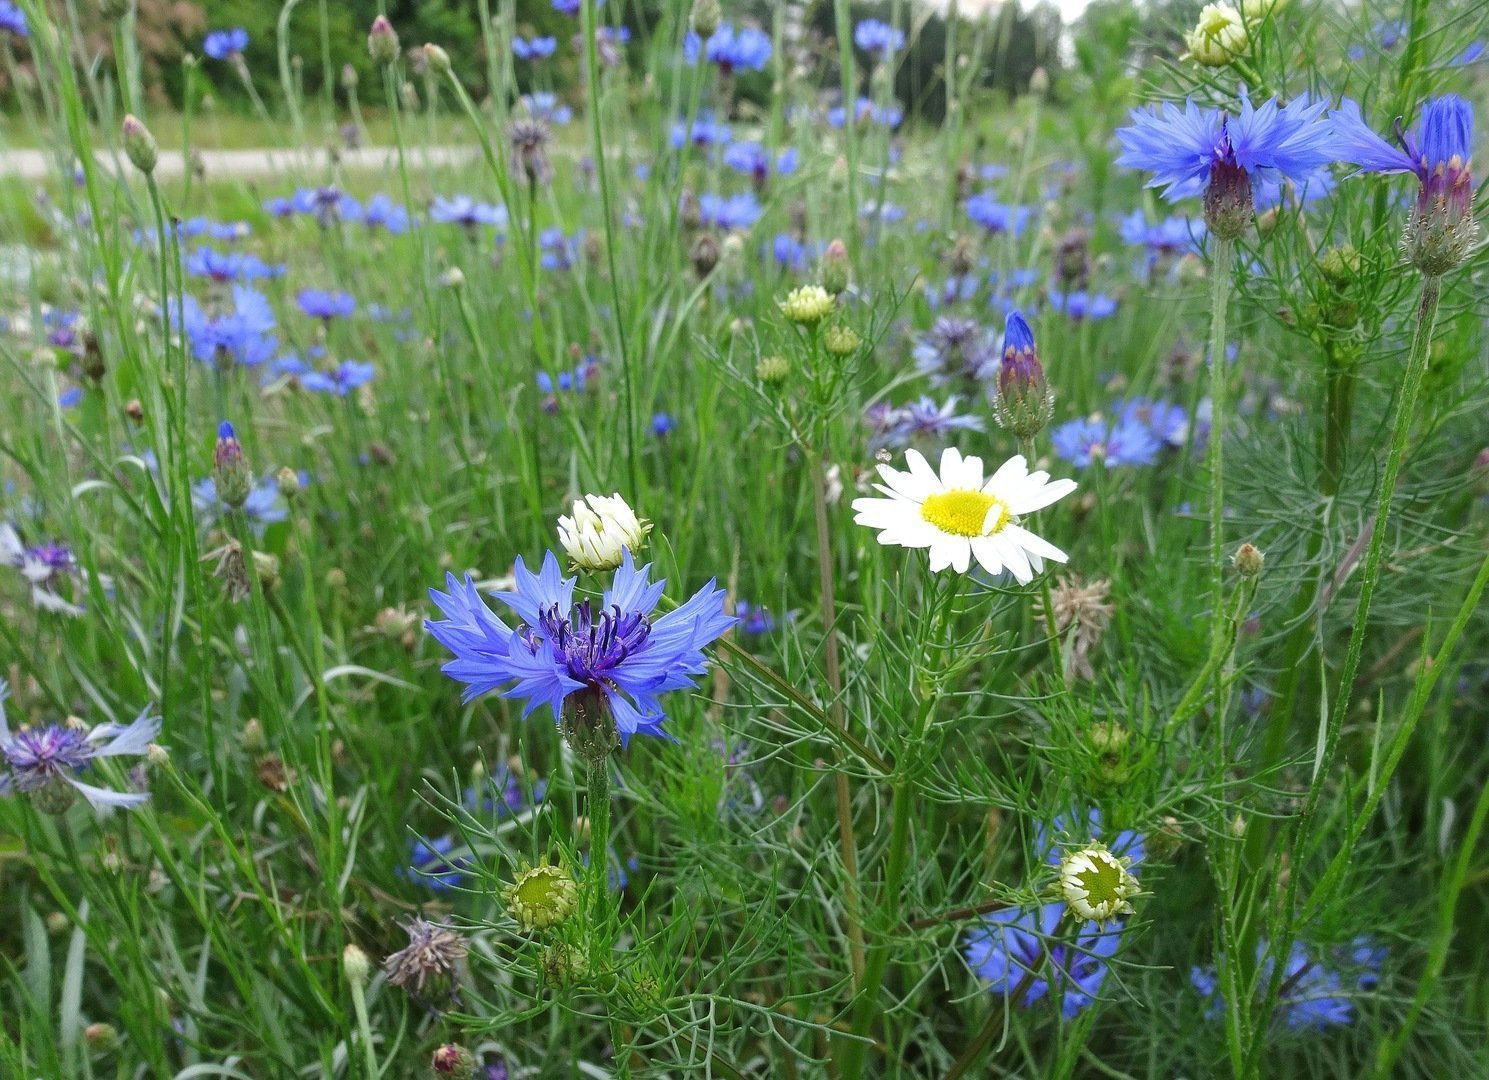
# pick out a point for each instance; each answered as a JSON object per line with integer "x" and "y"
{"x": 134, "y": 410}
{"x": 1218, "y": 37}
{"x": 841, "y": 341}
{"x": 356, "y": 964}
{"x": 704, "y": 254}
{"x": 1025, "y": 401}
{"x": 599, "y": 532}
{"x": 541, "y": 896}
{"x": 807, "y": 305}
{"x": 1039, "y": 82}
{"x": 835, "y": 270}
{"x": 1248, "y": 559}
{"x": 772, "y": 370}
{"x": 101, "y": 1038}
{"x": 706, "y": 18}
{"x": 451, "y": 1061}
{"x": 229, "y": 469}
{"x": 453, "y": 278}
{"x": 1443, "y": 230}
{"x": 288, "y": 482}
{"x": 1228, "y": 203}
{"x": 382, "y": 41}
{"x": 139, "y": 145}
{"x": 437, "y": 59}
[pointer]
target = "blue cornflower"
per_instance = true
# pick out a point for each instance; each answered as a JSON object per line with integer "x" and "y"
{"x": 866, "y": 111}
{"x": 559, "y": 252}
{"x": 463, "y": 210}
{"x": 998, "y": 217}
{"x": 1167, "y": 421}
{"x": 1015, "y": 952}
{"x": 221, "y": 44}
{"x": 1470, "y": 55}
{"x": 753, "y": 619}
{"x": 340, "y": 380}
{"x": 1126, "y": 442}
{"x": 430, "y": 864}
{"x": 44, "y": 566}
{"x": 1127, "y": 844}
{"x": 225, "y": 266}
{"x": 321, "y": 304}
{"x": 1192, "y": 150}
{"x": 1083, "y": 305}
{"x": 754, "y": 160}
{"x": 13, "y": 19}
{"x": 729, "y": 211}
{"x": 545, "y": 106}
{"x": 571, "y": 7}
{"x": 879, "y": 38}
{"x": 537, "y": 48}
{"x": 662, "y": 425}
{"x": 957, "y": 350}
{"x": 732, "y": 49}
{"x": 614, "y": 656}
{"x": 567, "y": 382}
{"x": 1314, "y": 994}
{"x": 705, "y": 132}
{"x": 45, "y": 760}
{"x": 381, "y": 212}
{"x": 70, "y": 398}
{"x": 1169, "y": 236}
{"x": 240, "y": 336}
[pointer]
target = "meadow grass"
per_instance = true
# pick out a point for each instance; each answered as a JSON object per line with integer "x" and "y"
{"x": 1258, "y": 679}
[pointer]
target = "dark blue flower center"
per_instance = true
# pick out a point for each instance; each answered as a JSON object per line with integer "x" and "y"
{"x": 591, "y": 643}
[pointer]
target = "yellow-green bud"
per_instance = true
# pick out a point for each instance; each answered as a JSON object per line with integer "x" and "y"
{"x": 772, "y": 370}
{"x": 356, "y": 964}
{"x": 139, "y": 145}
{"x": 1340, "y": 265}
{"x": 288, "y": 482}
{"x": 565, "y": 965}
{"x": 706, "y": 18}
{"x": 382, "y": 41}
{"x": 437, "y": 59}
{"x": 807, "y": 305}
{"x": 453, "y": 278}
{"x": 541, "y": 896}
{"x": 841, "y": 341}
{"x": 835, "y": 268}
{"x": 1248, "y": 559}
{"x": 102, "y": 1038}
{"x": 1218, "y": 37}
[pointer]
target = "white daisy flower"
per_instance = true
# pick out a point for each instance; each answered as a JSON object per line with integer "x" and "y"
{"x": 959, "y": 516}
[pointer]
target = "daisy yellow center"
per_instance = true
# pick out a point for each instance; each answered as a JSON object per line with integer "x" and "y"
{"x": 965, "y": 513}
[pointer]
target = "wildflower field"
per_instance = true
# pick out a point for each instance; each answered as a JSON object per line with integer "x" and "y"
{"x": 671, "y": 538}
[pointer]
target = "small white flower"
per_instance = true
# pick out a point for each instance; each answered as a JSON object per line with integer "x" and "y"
{"x": 959, "y": 517}
{"x": 1097, "y": 884}
{"x": 599, "y": 530}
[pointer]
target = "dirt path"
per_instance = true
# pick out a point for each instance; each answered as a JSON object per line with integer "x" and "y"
{"x": 39, "y": 164}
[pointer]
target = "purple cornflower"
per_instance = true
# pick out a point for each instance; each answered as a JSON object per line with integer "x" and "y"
{"x": 222, "y": 44}
{"x": 956, "y": 350}
{"x": 537, "y": 48}
{"x": 878, "y": 38}
{"x": 240, "y": 336}
{"x": 44, "y": 566}
{"x": 1442, "y": 228}
{"x": 13, "y": 19}
{"x": 923, "y": 420}
{"x": 1317, "y": 992}
{"x": 998, "y": 217}
{"x": 225, "y": 266}
{"x": 1193, "y": 151}
{"x": 745, "y": 48}
{"x": 1126, "y": 442}
{"x": 321, "y": 304}
{"x": 463, "y": 210}
{"x": 545, "y": 106}
{"x": 340, "y": 380}
{"x": 45, "y": 761}
{"x": 1015, "y": 952}
{"x": 612, "y": 657}
{"x": 1083, "y": 305}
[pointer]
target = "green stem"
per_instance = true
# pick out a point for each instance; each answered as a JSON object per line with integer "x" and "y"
{"x": 364, "y": 1027}
{"x": 1220, "y": 286}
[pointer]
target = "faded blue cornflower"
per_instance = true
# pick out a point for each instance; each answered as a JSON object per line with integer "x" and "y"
{"x": 240, "y": 336}
{"x": 1081, "y": 305}
{"x": 705, "y": 132}
{"x": 341, "y": 380}
{"x": 44, "y": 761}
{"x": 604, "y": 666}
{"x": 1442, "y": 228}
{"x": 44, "y": 567}
{"x": 545, "y": 106}
{"x": 1194, "y": 151}
{"x": 463, "y": 210}
{"x": 729, "y": 211}
{"x": 381, "y": 212}
{"x": 264, "y": 505}
{"x": 866, "y": 111}
{"x": 754, "y": 160}
{"x": 225, "y": 266}
{"x": 921, "y": 420}
{"x": 1168, "y": 237}
{"x": 1015, "y": 952}
{"x": 225, "y": 44}
{"x": 957, "y": 350}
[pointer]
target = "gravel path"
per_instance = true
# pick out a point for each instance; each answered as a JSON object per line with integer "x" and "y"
{"x": 37, "y": 164}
